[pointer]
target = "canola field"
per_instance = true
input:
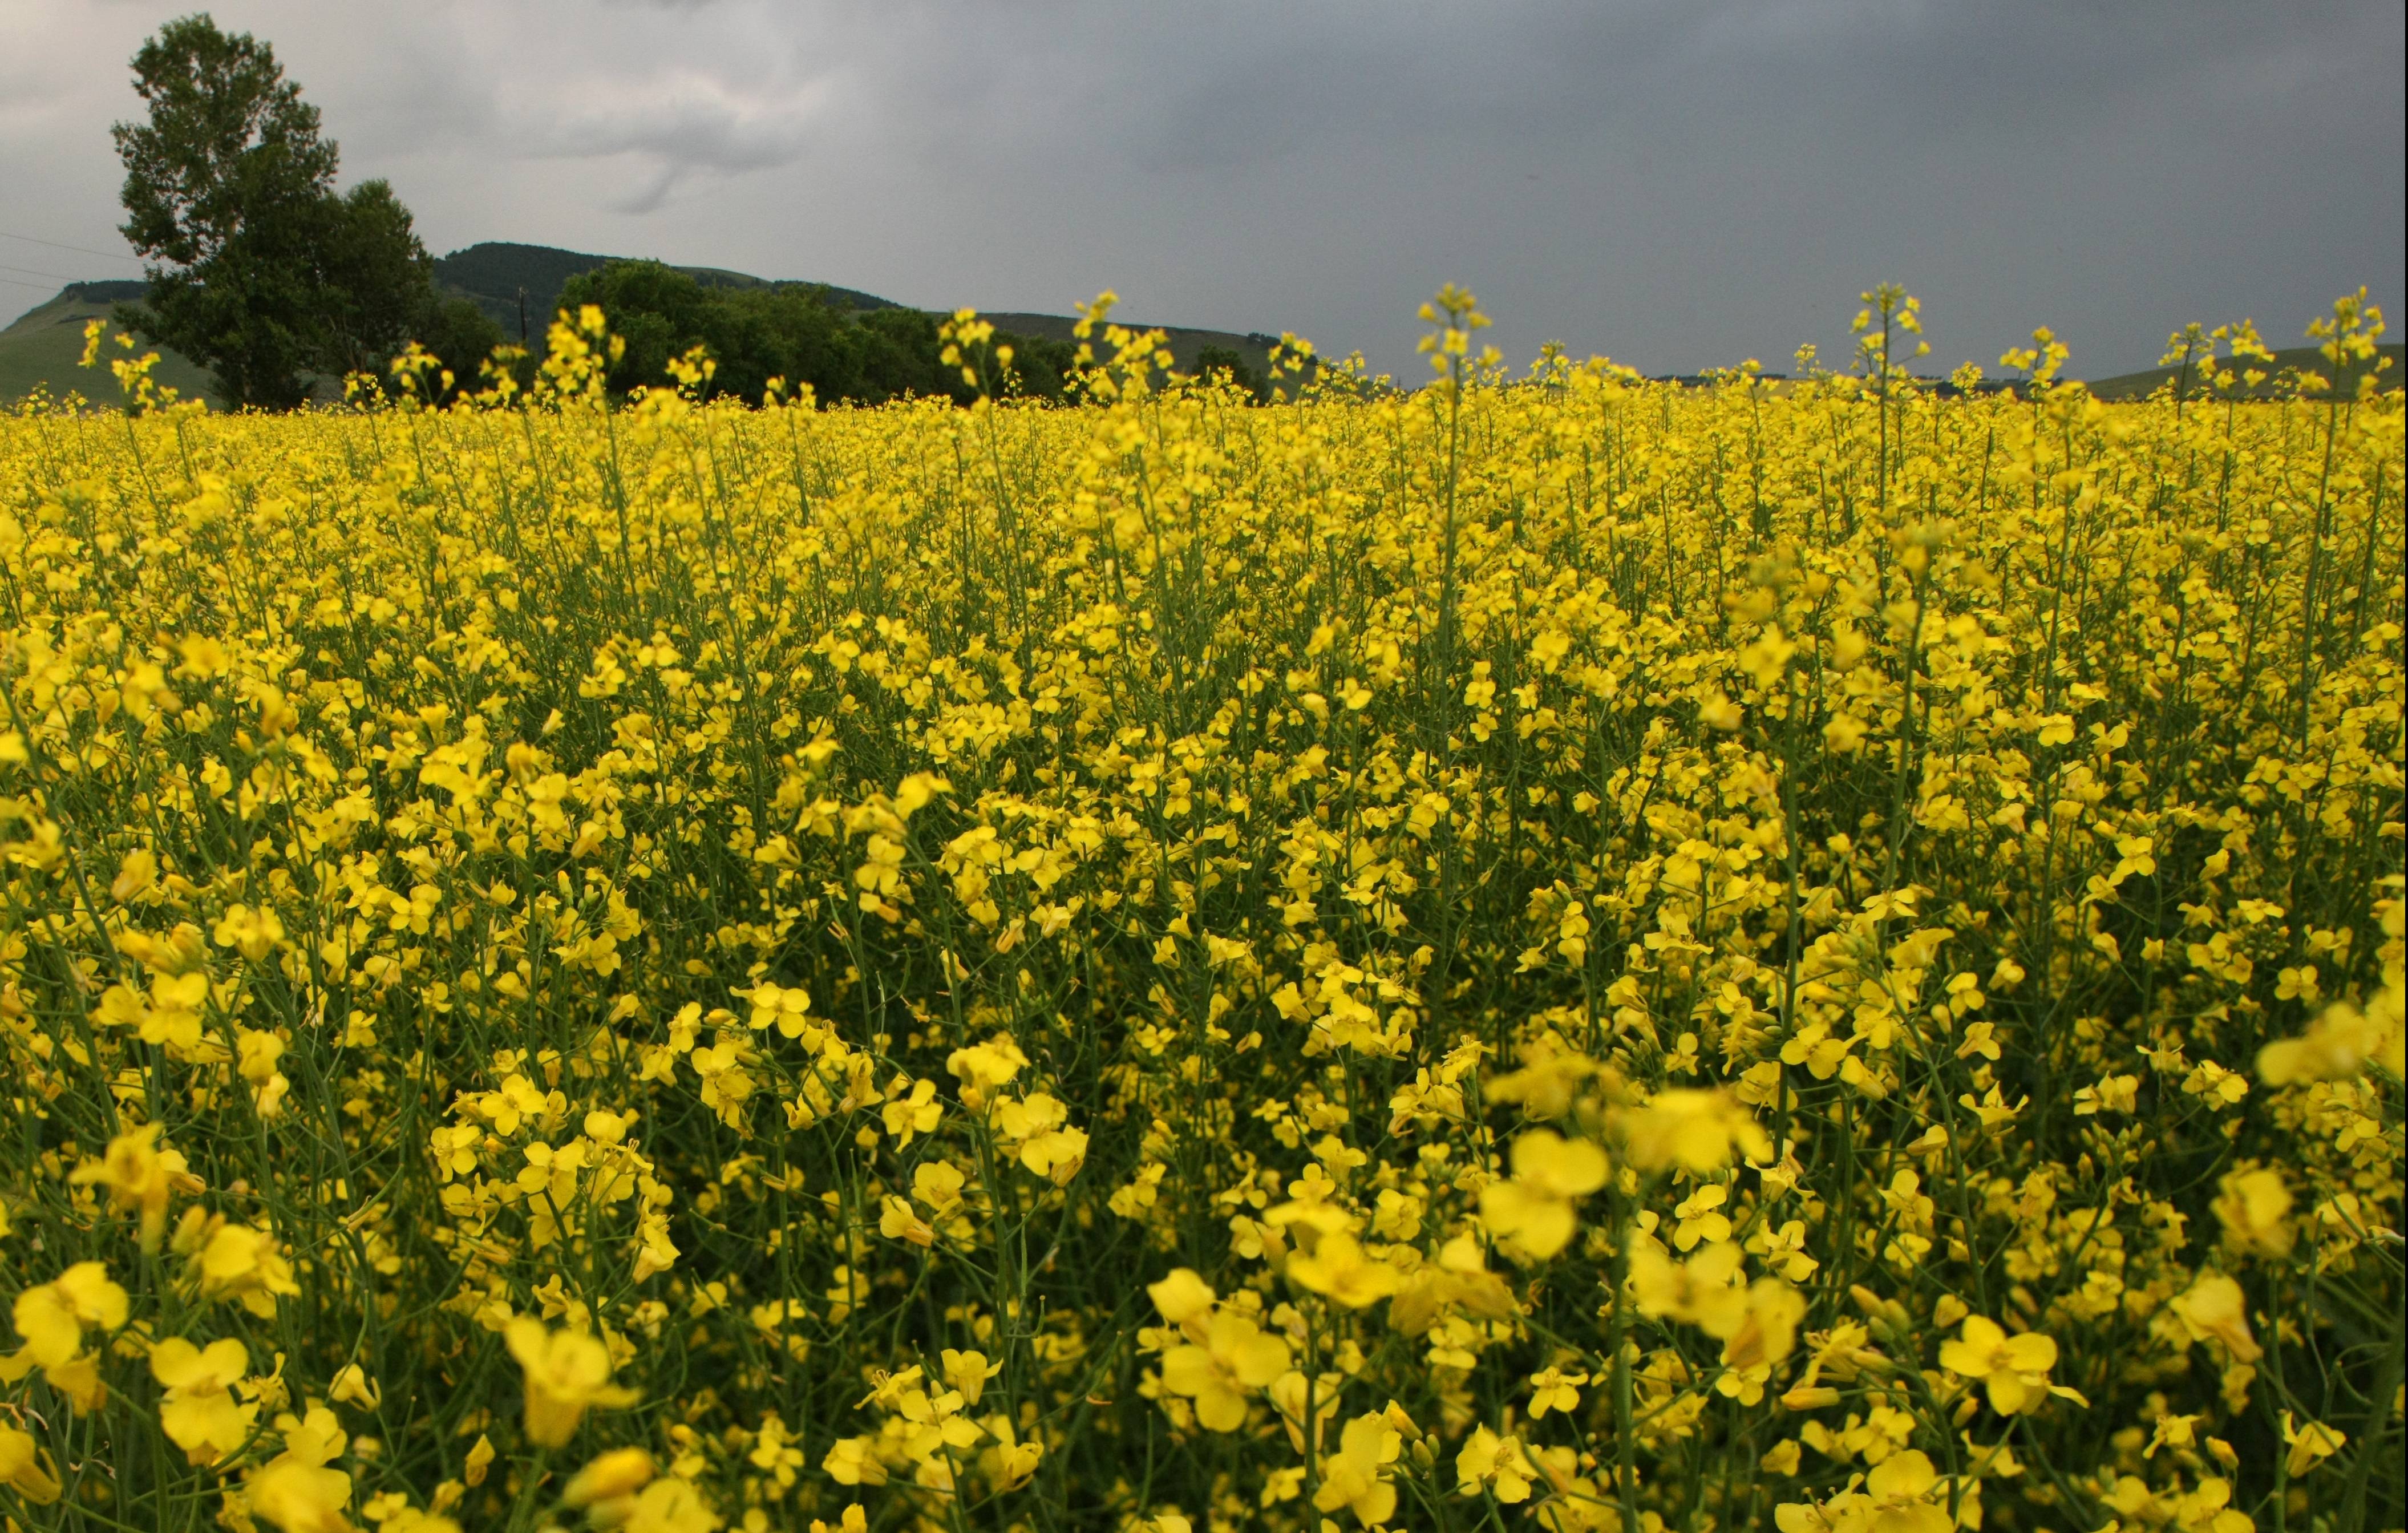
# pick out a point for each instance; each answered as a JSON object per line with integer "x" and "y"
{"x": 1569, "y": 953}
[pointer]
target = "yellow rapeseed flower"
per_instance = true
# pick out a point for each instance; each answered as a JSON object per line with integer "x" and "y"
{"x": 1697, "y": 1131}
{"x": 567, "y": 1373}
{"x": 199, "y": 1411}
{"x": 1534, "y": 1209}
{"x": 2013, "y": 1369}
{"x": 26, "y": 1466}
{"x": 1232, "y": 1361}
{"x": 2213, "y": 1309}
{"x": 141, "y": 1178}
{"x": 1352, "y": 1478}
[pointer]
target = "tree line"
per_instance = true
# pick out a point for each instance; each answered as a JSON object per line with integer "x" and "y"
{"x": 794, "y": 332}
{"x": 273, "y": 280}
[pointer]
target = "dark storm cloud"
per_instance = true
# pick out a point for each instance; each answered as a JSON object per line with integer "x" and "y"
{"x": 1676, "y": 184}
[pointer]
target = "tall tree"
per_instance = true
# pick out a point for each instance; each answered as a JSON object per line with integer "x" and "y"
{"x": 259, "y": 271}
{"x": 375, "y": 279}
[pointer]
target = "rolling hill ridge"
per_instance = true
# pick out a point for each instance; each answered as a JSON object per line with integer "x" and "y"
{"x": 508, "y": 280}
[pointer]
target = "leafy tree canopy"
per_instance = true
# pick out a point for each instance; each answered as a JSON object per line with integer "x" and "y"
{"x": 1221, "y": 362}
{"x": 793, "y": 330}
{"x": 260, "y": 270}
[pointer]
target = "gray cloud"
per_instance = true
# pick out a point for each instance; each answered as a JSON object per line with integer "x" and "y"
{"x": 672, "y": 126}
{"x": 1675, "y": 183}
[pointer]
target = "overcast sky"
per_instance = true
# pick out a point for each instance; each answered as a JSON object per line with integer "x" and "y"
{"x": 1675, "y": 184}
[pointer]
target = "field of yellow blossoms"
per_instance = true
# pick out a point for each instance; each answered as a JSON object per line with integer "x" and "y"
{"x": 1569, "y": 953}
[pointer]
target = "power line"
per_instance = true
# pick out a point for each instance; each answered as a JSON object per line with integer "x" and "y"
{"x": 79, "y": 250}
{"x": 38, "y": 287}
{"x": 28, "y": 271}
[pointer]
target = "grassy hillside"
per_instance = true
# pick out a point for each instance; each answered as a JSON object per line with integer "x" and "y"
{"x": 2298, "y": 358}
{"x": 41, "y": 348}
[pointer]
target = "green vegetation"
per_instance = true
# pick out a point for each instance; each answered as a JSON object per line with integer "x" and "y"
{"x": 259, "y": 270}
{"x": 510, "y": 281}
{"x": 1187, "y": 346}
{"x": 1216, "y": 361}
{"x": 884, "y": 350}
{"x": 790, "y": 331}
{"x": 2285, "y": 365}
{"x": 39, "y": 350}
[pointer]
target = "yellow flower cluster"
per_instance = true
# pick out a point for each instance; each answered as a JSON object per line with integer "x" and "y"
{"x": 1554, "y": 951}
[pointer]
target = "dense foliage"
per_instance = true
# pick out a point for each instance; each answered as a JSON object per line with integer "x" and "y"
{"x": 791, "y": 332}
{"x": 1577, "y": 953}
{"x": 1224, "y": 364}
{"x": 259, "y": 270}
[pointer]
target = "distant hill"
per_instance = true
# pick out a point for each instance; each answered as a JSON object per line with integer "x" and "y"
{"x": 41, "y": 348}
{"x": 2140, "y": 385}
{"x": 1185, "y": 342}
{"x": 495, "y": 273}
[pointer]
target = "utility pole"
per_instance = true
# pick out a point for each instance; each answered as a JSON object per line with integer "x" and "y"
{"x": 521, "y": 316}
